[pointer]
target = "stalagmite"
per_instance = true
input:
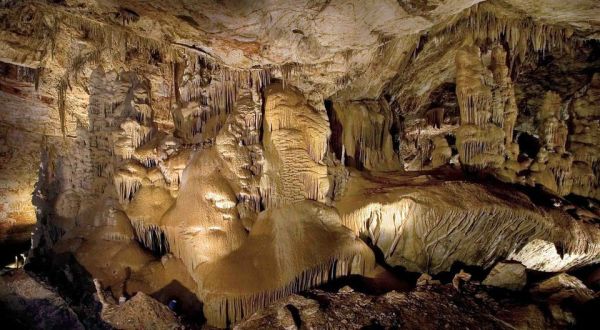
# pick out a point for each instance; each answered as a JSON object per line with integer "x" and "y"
{"x": 203, "y": 224}
{"x": 435, "y": 117}
{"x": 585, "y": 141}
{"x": 109, "y": 262}
{"x": 553, "y": 130}
{"x": 239, "y": 145}
{"x": 441, "y": 153}
{"x": 504, "y": 104}
{"x": 552, "y": 168}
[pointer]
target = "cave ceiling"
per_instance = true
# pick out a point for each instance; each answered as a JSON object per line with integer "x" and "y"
{"x": 338, "y": 49}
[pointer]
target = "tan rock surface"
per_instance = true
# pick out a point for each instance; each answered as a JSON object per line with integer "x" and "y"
{"x": 245, "y": 151}
{"x": 511, "y": 276}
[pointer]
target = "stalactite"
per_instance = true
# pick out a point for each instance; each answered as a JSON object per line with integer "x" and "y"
{"x": 480, "y": 147}
{"x": 480, "y": 138}
{"x": 61, "y": 99}
{"x": 152, "y": 237}
{"x": 474, "y": 96}
{"x": 485, "y": 24}
{"x": 560, "y": 166}
{"x": 216, "y": 88}
{"x": 136, "y": 133}
{"x": 127, "y": 186}
{"x": 143, "y": 114}
{"x": 360, "y": 130}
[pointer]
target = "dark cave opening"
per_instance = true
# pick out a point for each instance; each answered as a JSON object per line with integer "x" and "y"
{"x": 528, "y": 144}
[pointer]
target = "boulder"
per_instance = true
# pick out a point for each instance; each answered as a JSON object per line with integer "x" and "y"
{"x": 510, "y": 276}
{"x": 562, "y": 287}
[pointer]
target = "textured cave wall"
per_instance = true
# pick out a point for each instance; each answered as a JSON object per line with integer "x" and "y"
{"x": 166, "y": 144}
{"x": 24, "y": 131}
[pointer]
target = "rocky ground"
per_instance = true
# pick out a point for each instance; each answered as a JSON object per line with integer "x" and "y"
{"x": 506, "y": 301}
{"x": 26, "y": 303}
{"x": 432, "y": 306}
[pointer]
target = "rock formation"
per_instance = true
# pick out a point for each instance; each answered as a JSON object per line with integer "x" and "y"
{"x": 229, "y": 156}
{"x": 511, "y": 276}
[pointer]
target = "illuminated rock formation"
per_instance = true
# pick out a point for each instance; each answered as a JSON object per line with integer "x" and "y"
{"x": 226, "y": 155}
{"x": 504, "y": 106}
{"x": 362, "y": 135}
{"x": 430, "y": 228}
{"x": 480, "y": 138}
{"x": 295, "y": 142}
{"x": 585, "y": 142}
{"x": 275, "y": 262}
{"x": 441, "y": 153}
{"x": 474, "y": 95}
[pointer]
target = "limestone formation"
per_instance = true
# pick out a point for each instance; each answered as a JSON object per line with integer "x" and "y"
{"x": 361, "y": 135}
{"x": 273, "y": 262}
{"x": 429, "y": 228}
{"x": 231, "y": 155}
{"x": 295, "y": 139}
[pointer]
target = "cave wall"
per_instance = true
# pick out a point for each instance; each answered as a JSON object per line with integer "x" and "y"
{"x": 152, "y": 160}
{"x": 24, "y": 127}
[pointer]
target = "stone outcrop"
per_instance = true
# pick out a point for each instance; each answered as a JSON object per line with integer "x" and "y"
{"x": 511, "y": 276}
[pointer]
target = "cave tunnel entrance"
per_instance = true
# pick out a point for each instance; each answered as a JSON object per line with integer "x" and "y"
{"x": 528, "y": 143}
